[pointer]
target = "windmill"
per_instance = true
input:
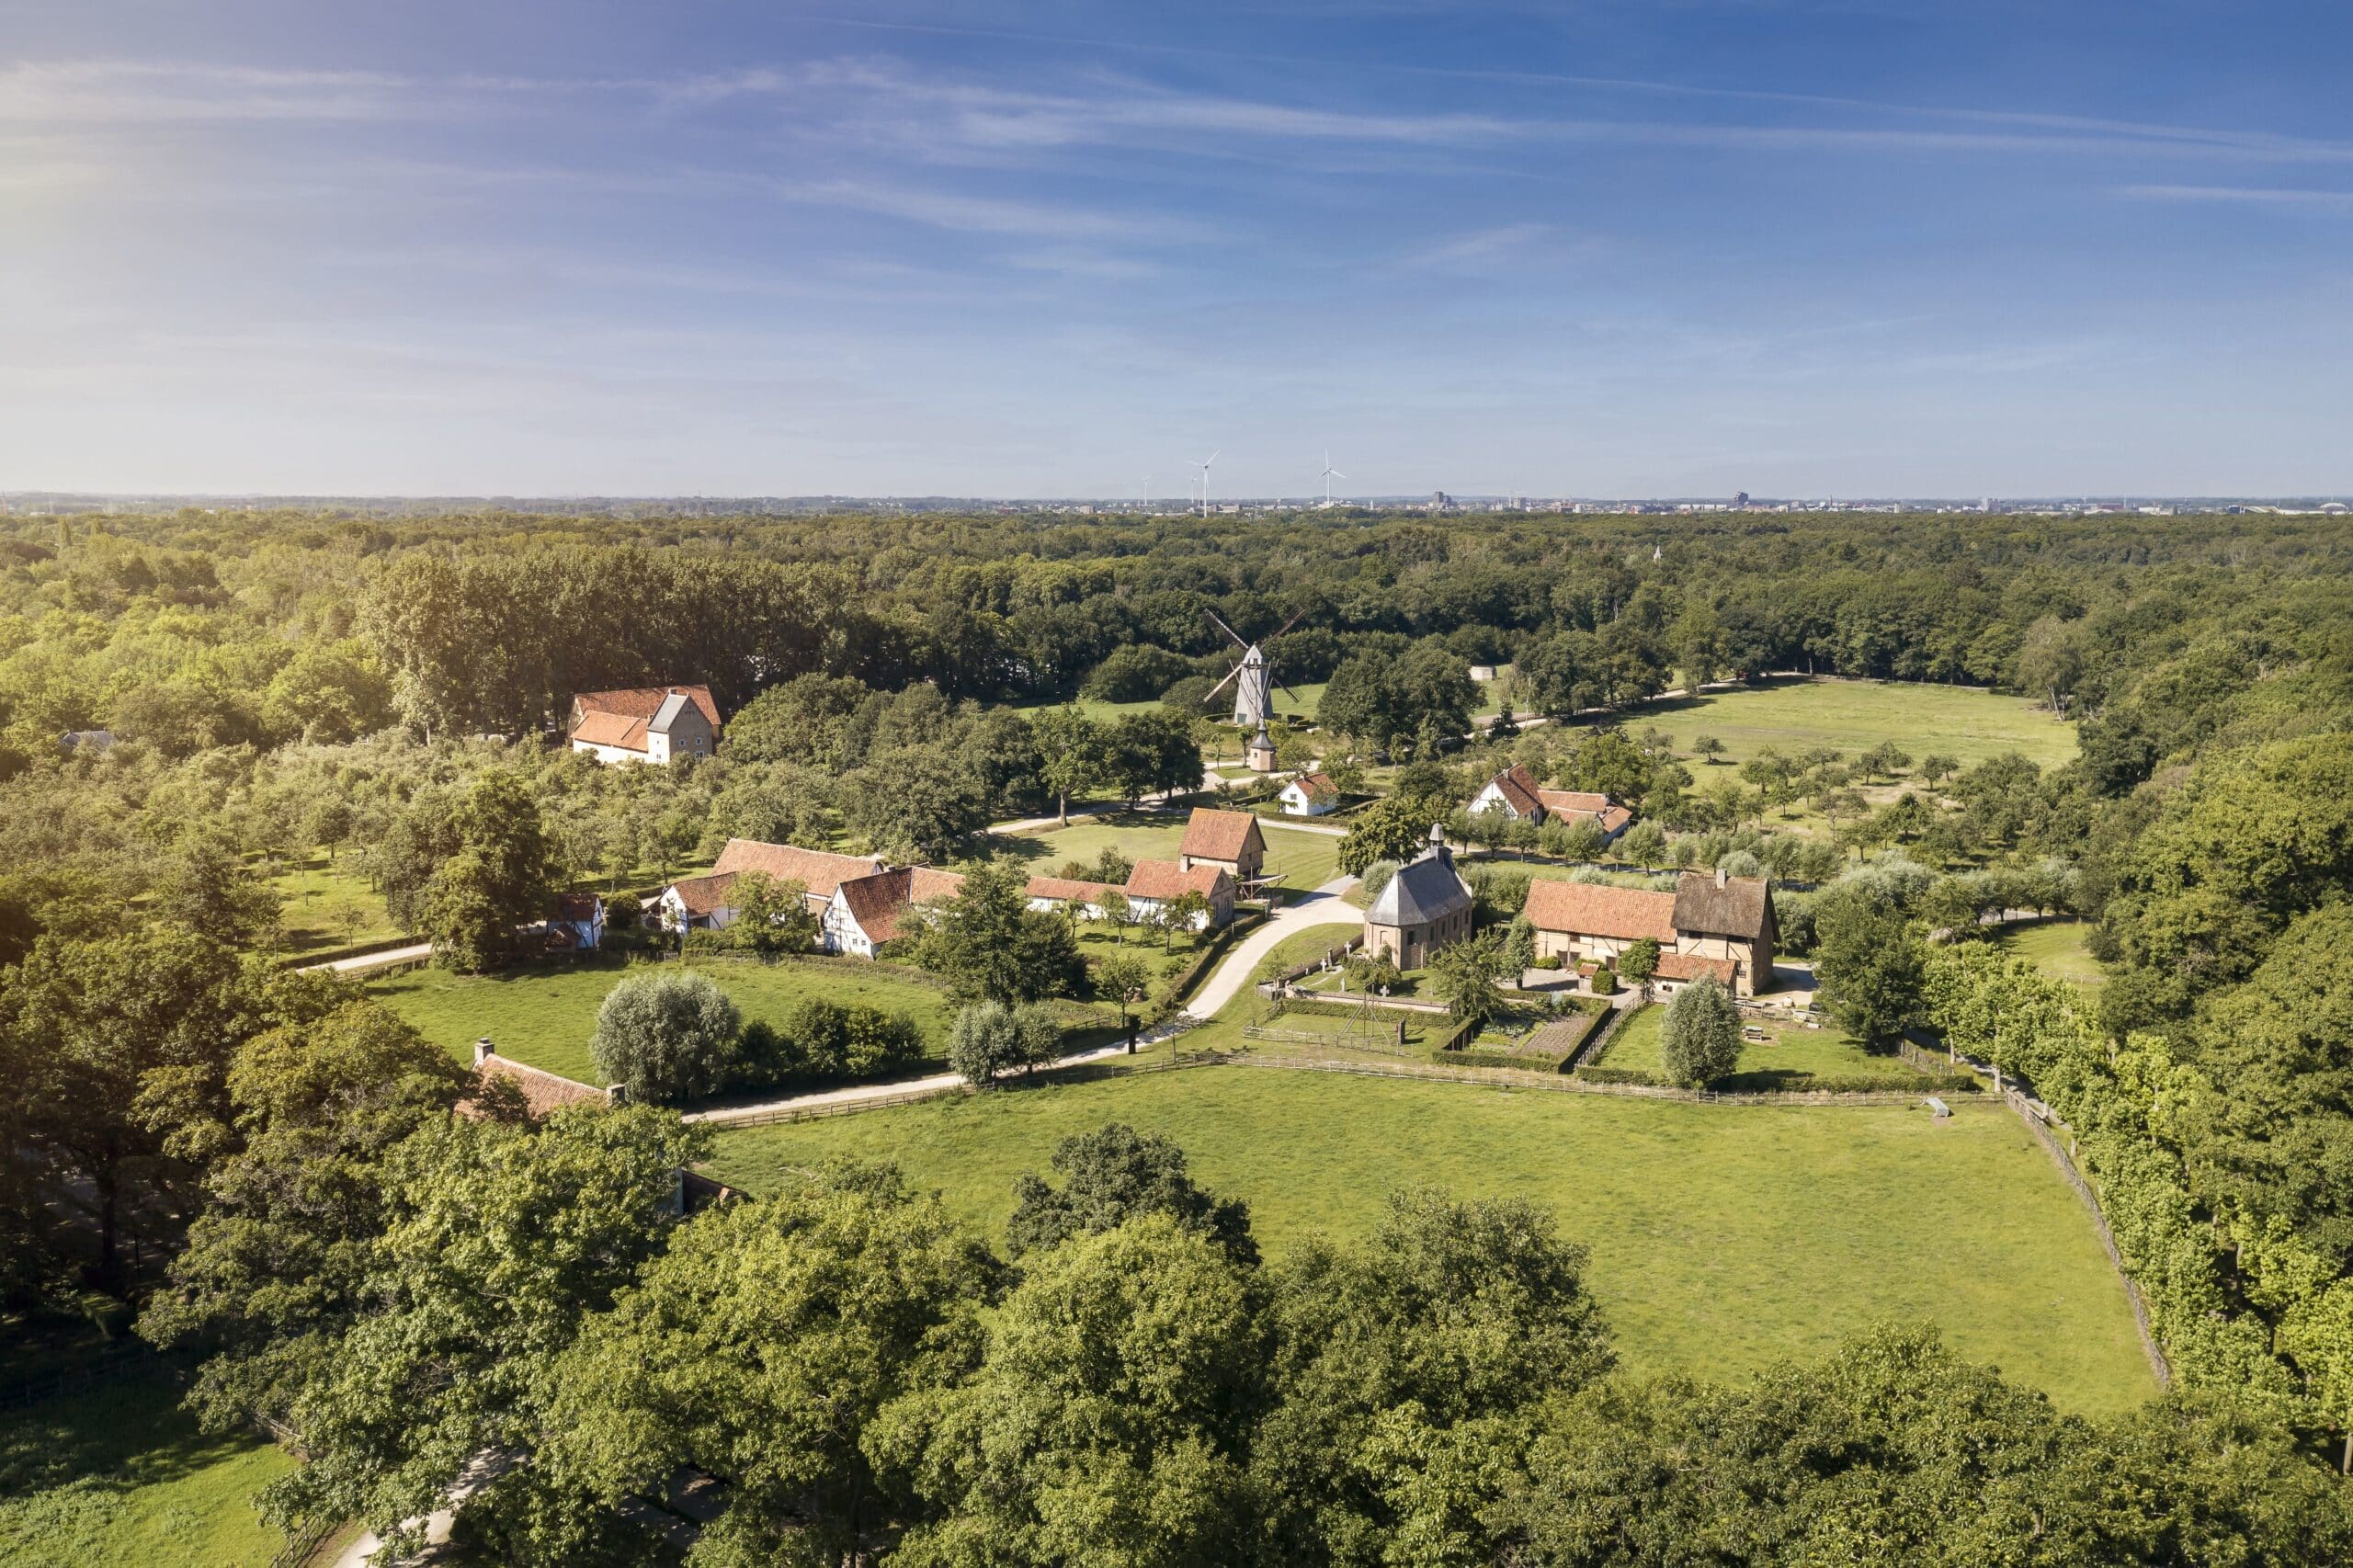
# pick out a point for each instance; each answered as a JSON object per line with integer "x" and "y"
{"x": 1328, "y": 475}
{"x": 1204, "y": 466}
{"x": 1254, "y": 702}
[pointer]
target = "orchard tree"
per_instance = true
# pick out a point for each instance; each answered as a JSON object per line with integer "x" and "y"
{"x": 1122, "y": 978}
{"x": 1464, "y": 975}
{"x": 988, "y": 944}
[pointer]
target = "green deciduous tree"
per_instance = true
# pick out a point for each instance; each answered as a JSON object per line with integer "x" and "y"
{"x": 499, "y": 876}
{"x": 1464, "y": 975}
{"x": 761, "y": 1348}
{"x": 1111, "y": 1175}
{"x": 1111, "y": 1421}
{"x": 1699, "y": 1039}
{"x": 666, "y": 1036}
{"x": 1408, "y": 1369}
{"x": 1870, "y": 962}
{"x": 987, "y": 943}
{"x": 274, "y": 1264}
{"x": 504, "y": 1241}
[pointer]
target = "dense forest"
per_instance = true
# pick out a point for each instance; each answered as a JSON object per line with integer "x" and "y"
{"x": 301, "y": 1204}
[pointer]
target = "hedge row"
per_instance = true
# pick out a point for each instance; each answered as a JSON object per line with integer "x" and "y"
{"x": 1828, "y": 1084}
{"x": 1180, "y": 985}
{"x": 1488, "y": 1056}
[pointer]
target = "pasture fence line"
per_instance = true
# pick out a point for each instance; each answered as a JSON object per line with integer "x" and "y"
{"x": 1078, "y": 1073}
{"x": 2031, "y": 1113}
{"x": 1513, "y": 1078}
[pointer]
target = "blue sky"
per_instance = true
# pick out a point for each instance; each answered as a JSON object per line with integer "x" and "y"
{"x": 1584, "y": 249}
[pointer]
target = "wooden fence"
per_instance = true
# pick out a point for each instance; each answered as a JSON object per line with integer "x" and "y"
{"x": 1077, "y": 1073}
{"x": 1509, "y": 1078}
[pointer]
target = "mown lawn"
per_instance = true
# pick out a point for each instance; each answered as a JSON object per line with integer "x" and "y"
{"x": 1792, "y": 1055}
{"x": 1853, "y": 716}
{"x": 1313, "y": 942}
{"x": 543, "y": 1016}
{"x": 2056, "y": 947}
{"x": 120, "y": 1474}
{"x": 1724, "y": 1237}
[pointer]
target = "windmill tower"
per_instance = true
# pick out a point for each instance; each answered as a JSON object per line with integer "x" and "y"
{"x": 1254, "y": 679}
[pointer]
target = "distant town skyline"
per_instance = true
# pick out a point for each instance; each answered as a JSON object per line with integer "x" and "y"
{"x": 1049, "y": 250}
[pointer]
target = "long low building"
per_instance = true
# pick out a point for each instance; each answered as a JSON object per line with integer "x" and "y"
{"x": 1713, "y": 924}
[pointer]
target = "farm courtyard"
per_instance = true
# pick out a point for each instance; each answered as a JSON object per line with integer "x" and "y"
{"x": 1724, "y": 1237}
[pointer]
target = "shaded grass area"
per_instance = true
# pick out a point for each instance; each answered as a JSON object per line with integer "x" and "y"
{"x": 1794, "y": 716}
{"x": 120, "y": 1474}
{"x": 1724, "y": 1237}
{"x": 543, "y": 1016}
{"x": 2057, "y": 948}
{"x": 1792, "y": 1054}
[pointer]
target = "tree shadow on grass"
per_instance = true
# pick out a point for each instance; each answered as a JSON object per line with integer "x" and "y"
{"x": 119, "y": 1435}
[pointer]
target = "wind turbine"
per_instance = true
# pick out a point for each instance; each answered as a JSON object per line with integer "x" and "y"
{"x": 1204, "y": 466}
{"x": 1328, "y": 475}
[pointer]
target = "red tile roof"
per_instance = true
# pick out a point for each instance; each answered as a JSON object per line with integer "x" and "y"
{"x": 702, "y": 895}
{"x": 619, "y": 730}
{"x": 878, "y": 903}
{"x": 1066, "y": 890}
{"x": 819, "y": 870}
{"x": 1162, "y": 880}
{"x": 1517, "y": 786}
{"x": 1592, "y": 909}
{"x": 642, "y": 702}
{"x": 542, "y": 1091}
{"x": 1212, "y": 835}
{"x": 1317, "y": 786}
{"x": 1584, "y": 801}
{"x": 581, "y": 906}
{"x": 1691, "y": 966}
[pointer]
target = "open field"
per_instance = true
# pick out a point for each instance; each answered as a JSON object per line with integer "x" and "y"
{"x": 120, "y": 1474}
{"x": 1724, "y": 1237}
{"x": 2056, "y": 947}
{"x": 1303, "y": 860}
{"x": 543, "y": 1016}
{"x": 1852, "y": 716}
{"x": 1793, "y": 1055}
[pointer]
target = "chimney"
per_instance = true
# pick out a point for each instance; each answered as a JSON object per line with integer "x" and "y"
{"x": 482, "y": 1047}
{"x": 1722, "y": 877}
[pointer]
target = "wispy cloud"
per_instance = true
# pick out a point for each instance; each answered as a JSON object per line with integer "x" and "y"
{"x": 123, "y": 92}
{"x": 2245, "y": 196}
{"x": 1481, "y": 248}
{"x": 984, "y": 214}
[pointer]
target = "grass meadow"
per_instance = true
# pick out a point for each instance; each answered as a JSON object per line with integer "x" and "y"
{"x": 2056, "y": 947}
{"x": 120, "y": 1474}
{"x": 1792, "y": 1055}
{"x": 545, "y": 1016}
{"x": 1852, "y": 716}
{"x": 1723, "y": 1237}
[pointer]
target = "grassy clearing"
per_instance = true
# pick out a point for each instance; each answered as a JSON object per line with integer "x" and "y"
{"x": 2057, "y": 948}
{"x": 1724, "y": 1237}
{"x": 330, "y": 906}
{"x": 1792, "y": 1055}
{"x": 1314, "y": 941}
{"x": 1852, "y": 716}
{"x": 1303, "y": 860}
{"x": 545, "y": 1016}
{"x": 120, "y": 1475}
